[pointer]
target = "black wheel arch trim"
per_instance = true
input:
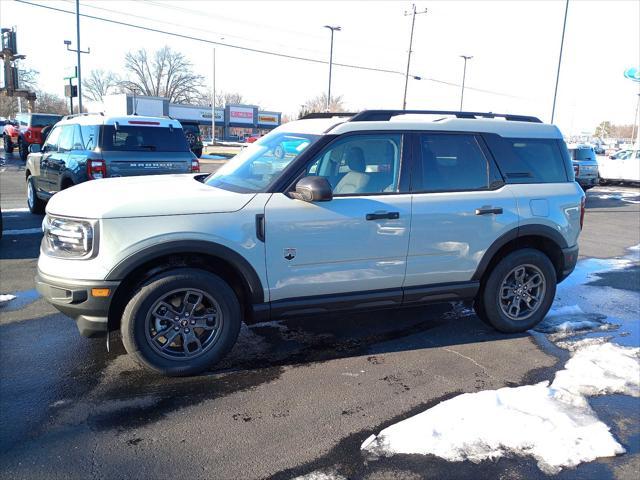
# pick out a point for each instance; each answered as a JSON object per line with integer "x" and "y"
{"x": 242, "y": 266}
{"x": 518, "y": 232}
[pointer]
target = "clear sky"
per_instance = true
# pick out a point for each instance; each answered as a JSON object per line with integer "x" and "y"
{"x": 514, "y": 45}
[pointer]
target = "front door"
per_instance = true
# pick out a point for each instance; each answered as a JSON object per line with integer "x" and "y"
{"x": 49, "y": 153}
{"x": 356, "y": 242}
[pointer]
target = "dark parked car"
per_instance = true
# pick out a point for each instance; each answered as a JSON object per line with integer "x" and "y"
{"x": 585, "y": 165}
{"x": 193, "y": 136}
{"x": 87, "y": 147}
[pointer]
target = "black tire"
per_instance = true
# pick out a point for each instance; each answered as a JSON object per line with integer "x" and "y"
{"x": 8, "y": 146}
{"x": 489, "y": 306}
{"x": 35, "y": 204}
{"x": 136, "y": 321}
{"x": 23, "y": 150}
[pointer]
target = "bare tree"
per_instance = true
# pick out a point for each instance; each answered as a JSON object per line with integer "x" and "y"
{"x": 50, "y": 103}
{"x": 28, "y": 79}
{"x": 164, "y": 73}
{"x": 98, "y": 84}
{"x": 319, "y": 104}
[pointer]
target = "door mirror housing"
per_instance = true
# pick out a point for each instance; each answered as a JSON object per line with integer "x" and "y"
{"x": 35, "y": 148}
{"x": 313, "y": 189}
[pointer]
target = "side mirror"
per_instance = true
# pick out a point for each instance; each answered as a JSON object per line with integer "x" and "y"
{"x": 35, "y": 148}
{"x": 313, "y": 189}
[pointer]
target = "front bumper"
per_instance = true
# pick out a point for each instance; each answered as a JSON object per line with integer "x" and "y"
{"x": 74, "y": 298}
{"x": 569, "y": 260}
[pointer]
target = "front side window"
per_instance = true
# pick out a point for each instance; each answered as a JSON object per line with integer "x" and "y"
{"x": 452, "y": 162}
{"x": 51, "y": 144}
{"x": 141, "y": 138}
{"x": 66, "y": 138}
{"x": 256, "y": 167}
{"x": 361, "y": 164}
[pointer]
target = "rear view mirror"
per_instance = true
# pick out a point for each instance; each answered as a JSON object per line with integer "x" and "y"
{"x": 34, "y": 148}
{"x": 313, "y": 189}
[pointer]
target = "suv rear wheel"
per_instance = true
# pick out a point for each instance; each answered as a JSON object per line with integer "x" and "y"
{"x": 181, "y": 322}
{"x": 518, "y": 292}
{"x": 8, "y": 146}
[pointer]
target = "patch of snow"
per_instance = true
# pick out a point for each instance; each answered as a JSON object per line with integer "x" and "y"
{"x": 318, "y": 475}
{"x": 572, "y": 346}
{"x": 600, "y": 369}
{"x": 4, "y": 298}
{"x": 556, "y": 427}
{"x": 570, "y": 319}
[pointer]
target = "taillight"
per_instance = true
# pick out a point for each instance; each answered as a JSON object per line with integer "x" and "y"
{"x": 195, "y": 166}
{"x": 96, "y": 169}
{"x": 582, "y": 208}
{"x": 576, "y": 169}
{"x": 28, "y": 134}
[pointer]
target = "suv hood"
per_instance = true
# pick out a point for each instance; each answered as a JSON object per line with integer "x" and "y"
{"x": 155, "y": 195}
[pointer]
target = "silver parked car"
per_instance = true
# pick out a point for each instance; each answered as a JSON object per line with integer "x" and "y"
{"x": 585, "y": 165}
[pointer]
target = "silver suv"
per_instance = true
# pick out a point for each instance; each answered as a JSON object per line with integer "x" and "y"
{"x": 331, "y": 213}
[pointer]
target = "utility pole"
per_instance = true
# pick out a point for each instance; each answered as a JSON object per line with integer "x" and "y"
{"x": 213, "y": 101}
{"x": 555, "y": 92}
{"x": 78, "y": 51}
{"x": 464, "y": 76}
{"x": 333, "y": 29}
{"x": 413, "y": 14}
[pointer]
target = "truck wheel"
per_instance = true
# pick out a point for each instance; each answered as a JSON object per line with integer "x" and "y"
{"x": 181, "y": 322}
{"x": 23, "y": 149}
{"x": 35, "y": 204}
{"x": 518, "y": 292}
{"x": 8, "y": 146}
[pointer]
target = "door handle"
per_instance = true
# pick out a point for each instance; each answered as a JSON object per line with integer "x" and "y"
{"x": 383, "y": 215}
{"x": 488, "y": 210}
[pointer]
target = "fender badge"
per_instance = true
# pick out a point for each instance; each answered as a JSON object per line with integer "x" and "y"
{"x": 289, "y": 253}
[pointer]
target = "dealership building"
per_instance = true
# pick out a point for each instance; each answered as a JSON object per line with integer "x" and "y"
{"x": 232, "y": 122}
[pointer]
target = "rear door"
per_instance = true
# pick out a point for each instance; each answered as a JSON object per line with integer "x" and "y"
{"x": 144, "y": 150}
{"x": 460, "y": 207}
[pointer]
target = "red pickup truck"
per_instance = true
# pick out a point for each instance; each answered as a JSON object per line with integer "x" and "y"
{"x": 25, "y": 130}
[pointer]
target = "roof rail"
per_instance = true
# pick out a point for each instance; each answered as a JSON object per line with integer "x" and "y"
{"x": 312, "y": 115}
{"x": 67, "y": 117}
{"x": 384, "y": 115}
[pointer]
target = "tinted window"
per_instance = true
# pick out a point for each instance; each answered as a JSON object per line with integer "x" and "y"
{"x": 541, "y": 158}
{"x": 582, "y": 154}
{"x": 361, "y": 164}
{"x": 44, "y": 120}
{"x": 89, "y": 134}
{"x": 51, "y": 143}
{"x": 65, "y": 143}
{"x": 143, "y": 139}
{"x": 452, "y": 162}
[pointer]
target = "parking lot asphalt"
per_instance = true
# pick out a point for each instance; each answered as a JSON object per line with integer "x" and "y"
{"x": 291, "y": 398}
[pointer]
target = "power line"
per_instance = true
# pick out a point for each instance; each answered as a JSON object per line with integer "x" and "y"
{"x": 257, "y": 50}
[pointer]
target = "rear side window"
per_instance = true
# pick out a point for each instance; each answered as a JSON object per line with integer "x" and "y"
{"x": 452, "y": 162}
{"x": 143, "y": 139}
{"x": 530, "y": 160}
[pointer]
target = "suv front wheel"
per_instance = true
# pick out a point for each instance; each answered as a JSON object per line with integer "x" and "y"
{"x": 181, "y": 322}
{"x": 518, "y": 292}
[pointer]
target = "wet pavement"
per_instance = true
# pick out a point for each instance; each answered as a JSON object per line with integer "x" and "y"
{"x": 292, "y": 397}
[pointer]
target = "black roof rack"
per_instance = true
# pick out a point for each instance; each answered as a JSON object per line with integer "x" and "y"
{"x": 384, "y": 115}
{"x": 312, "y": 115}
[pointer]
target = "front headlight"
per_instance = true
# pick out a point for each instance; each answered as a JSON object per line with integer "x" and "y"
{"x": 69, "y": 238}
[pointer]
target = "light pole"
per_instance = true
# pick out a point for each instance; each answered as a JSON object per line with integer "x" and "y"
{"x": 78, "y": 51}
{"x": 413, "y": 13}
{"x": 555, "y": 92}
{"x": 213, "y": 102}
{"x": 333, "y": 29}
{"x": 464, "y": 76}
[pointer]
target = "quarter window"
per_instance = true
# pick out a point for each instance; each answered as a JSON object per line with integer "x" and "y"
{"x": 361, "y": 164}
{"x": 540, "y": 159}
{"x": 452, "y": 162}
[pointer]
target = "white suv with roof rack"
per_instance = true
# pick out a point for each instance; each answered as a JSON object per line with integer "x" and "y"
{"x": 327, "y": 214}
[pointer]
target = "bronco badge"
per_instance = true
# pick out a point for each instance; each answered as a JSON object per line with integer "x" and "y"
{"x": 289, "y": 253}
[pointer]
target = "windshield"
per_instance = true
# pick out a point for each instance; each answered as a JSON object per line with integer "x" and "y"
{"x": 260, "y": 164}
{"x": 143, "y": 139}
{"x": 44, "y": 120}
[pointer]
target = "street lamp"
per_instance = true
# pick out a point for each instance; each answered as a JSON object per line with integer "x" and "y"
{"x": 464, "y": 75}
{"x": 333, "y": 29}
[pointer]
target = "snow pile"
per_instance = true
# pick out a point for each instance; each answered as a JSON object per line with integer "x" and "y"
{"x": 566, "y": 320}
{"x": 601, "y": 369}
{"x": 553, "y": 424}
{"x": 4, "y": 298}
{"x": 572, "y": 346}
{"x": 318, "y": 475}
